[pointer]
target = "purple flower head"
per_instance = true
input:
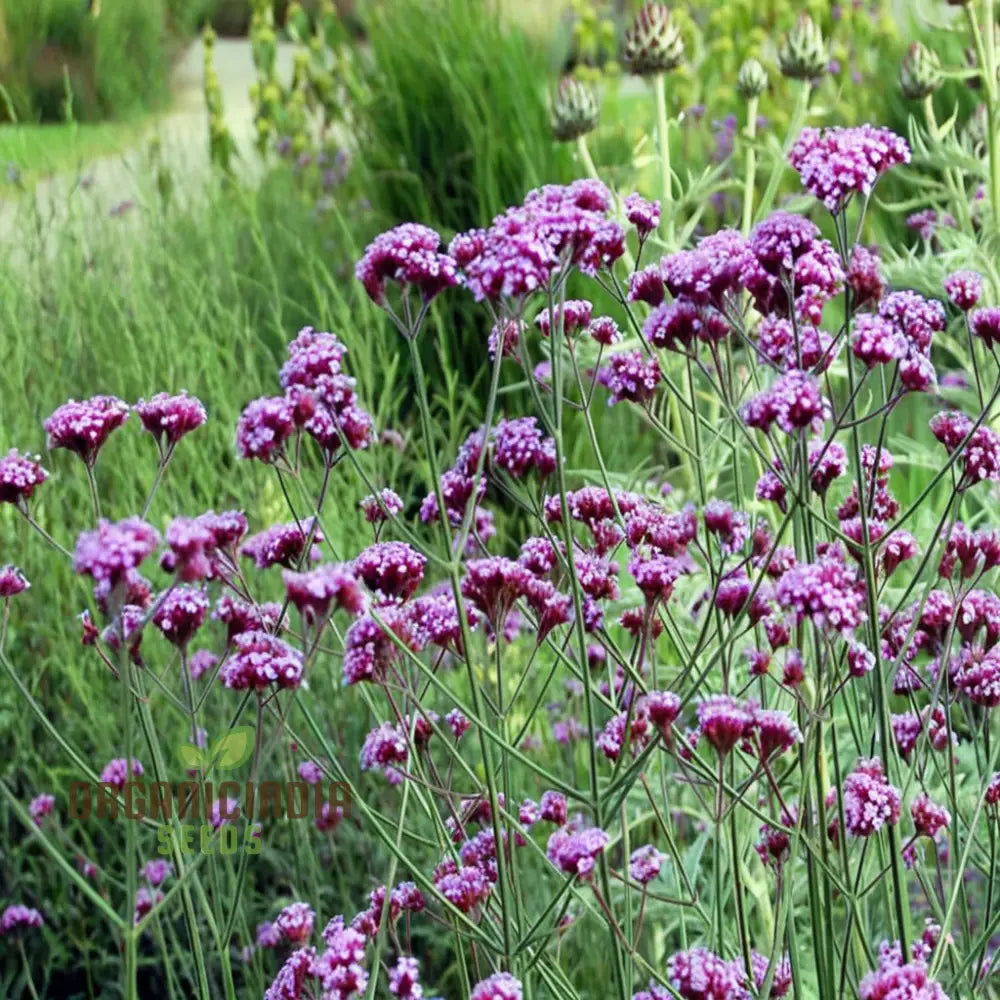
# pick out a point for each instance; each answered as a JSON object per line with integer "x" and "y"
{"x": 876, "y": 341}
{"x": 869, "y": 800}
{"x": 655, "y": 575}
{"x": 179, "y": 613}
{"x": 631, "y": 377}
{"x": 865, "y": 277}
{"x": 83, "y": 427}
{"x": 915, "y": 317}
{"x": 404, "y": 979}
{"x": 295, "y": 922}
{"x": 827, "y": 591}
{"x": 263, "y": 428}
{"x": 493, "y": 584}
{"x": 699, "y": 974}
{"x": 793, "y": 402}
{"x": 708, "y": 273}
{"x": 392, "y": 571}
{"x": 465, "y": 888}
{"x": 673, "y": 326}
{"x": 895, "y": 979}
{"x": 574, "y": 314}
{"x": 575, "y": 852}
{"x": 17, "y": 918}
{"x": 156, "y": 872}
{"x": 113, "y": 550}
{"x": 519, "y": 447}
{"x": 929, "y": 819}
{"x": 381, "y": 506}
{"x": 644, "y": 215}
{"x": 645, "y": 864}
{"x": 281, "y": 544}
{"x": 116, "y": 772}
{"x": 978, "y": 677}
{"x": 19, "y": 475}
{"x": 383, "y": 748}
{"x": 40, "y": 807}
{"x": 314, "y": 592}
{"x": 781, "y": 981}
{"x": 258, "y": 660}
{"x": 169, "y": 418}
{"x": 12, "y": 582}
{"x": 313, "y": 360}
{"x": 646, "y": 286}
{"x": 505, "y": 336}
{"x": 723, "y": 721}
{"x": 604, "y": 330}
{"x": 240, "y": 616}
{"x": 408, "y": 255}
{"x": 840, "y": 162}
{"x": 985, "y": 324}
{"x": 500, "y": 986}
{"x": 964, "y": 289}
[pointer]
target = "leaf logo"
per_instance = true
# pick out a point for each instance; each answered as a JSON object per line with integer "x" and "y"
{"x": 229, "y": 751}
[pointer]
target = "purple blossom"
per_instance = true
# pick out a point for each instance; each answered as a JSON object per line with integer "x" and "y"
{"x": 260, "y": 659}
{"x": 168, "y": 418}
{"x": 12, "y": 582}
{"x": 963, "y": 288}
{"x": 499, "y": 986}
{"x": 17, "y": 918}
{"x": 869, "y": 800}
{"x": 408, "y": 255}
{"x": 929, "y": 819}
{"x": 295, "y": 922}
{"x": 519, "y": 447}
{"x": 83, "y": 427}
{"x": 112, "y": 550}
{"x": 40, "y": 807}
{"x": 894, "y": 979}
{"x": 631, "y": 377}
{"x": 827, "y": 591}
{"x": 699, "y": 974}
{"x": 839, "y": 162}
{"x": 392, "y": 571}
{"x": 574, "y": 314}
{"x": 116, "y": 772}
{"x": 645, "y": 864}
{"x": 381, "y": 506}
{"x": 179, "y": 614}
{"x": 19, "y": 475}
{"x": 263, "y": 428}
{"x": 575, "y": 851}
{"x": 282, "y": 544}
{"x": 315, "y": 591}
{"x": 644, "y": 215}
{"x": 723, "y": 721}
{"x": 985, "y": 324}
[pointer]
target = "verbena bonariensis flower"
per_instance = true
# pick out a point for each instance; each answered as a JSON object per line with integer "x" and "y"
{"x": 894, "y": 979}
{"x": 699, "y": 974}
{"x": 12, "y": 582}
{"x": 384, "y": 748}
{"x": 929, "y": 819}
{"x": 83, "y": 427}
{"x": 828, "y": 591}
{"x": 985, "y": 324}
{"x": 876, "y": 341}
{"x": 964, "y": 289}
{"x": 283, "y": 544}
{"x": 793, "y": 402}
{"x": 644, "y": 864}
{"x": 314, "y": 359}
{"x": 116, "y": 772}
{"x": 915, "y": 317}
{"x": 314, "y": 592}
{"x": 840, "y": 162}
{"x": 524, "y": 248}
{"x": 407, "y": 255}
{"x": 263, "y": 428}
{"x": 864, "y": 276}
{"x": 723, "y": 721}
{"x": 391, "y": 570}
{"x": 295, "y": 922}
{"x": 259, "y": 660}
{"x": 519, "y": 447}
{"x": 869, "y": 800}
{"x": 156, "y": 872}
{"x": 381, "y": 506}
{"x": 40, "y": 807}
{"x": 499, "y": 986}
{"x": 781, "y": 980}
{"x": 179, "y": 614}
{"x": 113, "y": 550}
{"x": 168, "y": 418}
{"x": 978, "y": 677}
{"x": 19, "y": 475}
{"x": 643, "y": 214}
{"x": 291, "y": 978}
{"x": 576, "y": 851}
{"x": 404, "y": 979}
{"x": 241, "y": 616}
{"x": 631, "y": 377}
{"x": 570, "y": 316}
{"x": 17, "y": 918}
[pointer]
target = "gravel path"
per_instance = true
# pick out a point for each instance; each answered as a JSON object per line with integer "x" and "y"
{"x": 111, "y": 183}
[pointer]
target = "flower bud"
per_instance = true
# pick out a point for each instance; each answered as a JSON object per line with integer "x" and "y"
{"x": 575, "y": 110}
{"x": 920, "y": 72}
{"x": 752, "y": 79}
{"x": 653, "y": 44}
{"x": 802, "y": 54}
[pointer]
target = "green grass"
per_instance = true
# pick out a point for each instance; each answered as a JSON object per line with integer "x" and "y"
{"x": 39, "y": 151}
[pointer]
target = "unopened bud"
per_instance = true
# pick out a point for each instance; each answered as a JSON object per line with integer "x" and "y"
{"x": 802, "y": 54}
{"x": 752, "y": 79}
{"x": 653, "y": 44}
{"x": 920, "y": 72}
{"x": 575, "y": 110}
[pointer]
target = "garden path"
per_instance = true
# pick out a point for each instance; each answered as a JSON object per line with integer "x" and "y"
{"x": 111, "y": 185}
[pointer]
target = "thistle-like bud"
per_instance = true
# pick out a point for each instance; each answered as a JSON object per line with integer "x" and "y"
{"x": 653, "y": 44}
{"x": 575, "y": 110}
{"x": 752, "y": 79}
{"x": 802, "y": 54}
{"x": 920, "y": 72}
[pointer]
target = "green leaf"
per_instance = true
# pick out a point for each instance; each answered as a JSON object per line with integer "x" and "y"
{"x": 233, "y": 748}
{"x": 190, "y": 756}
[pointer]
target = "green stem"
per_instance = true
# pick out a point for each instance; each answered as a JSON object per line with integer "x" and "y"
{"x": 663, "y": 140}
{"x": 751, "y": 168}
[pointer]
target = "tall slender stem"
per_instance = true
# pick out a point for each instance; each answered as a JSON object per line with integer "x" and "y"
{"x": 663, "y": 140}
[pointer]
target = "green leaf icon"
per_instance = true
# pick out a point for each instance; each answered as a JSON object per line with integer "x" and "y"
{"x": 190, "y": 756}
{"x": 233, "y": 748}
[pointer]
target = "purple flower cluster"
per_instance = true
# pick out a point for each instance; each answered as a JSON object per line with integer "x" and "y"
{"x": 84, "y": 427}
{"x": 869, "y": 800}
